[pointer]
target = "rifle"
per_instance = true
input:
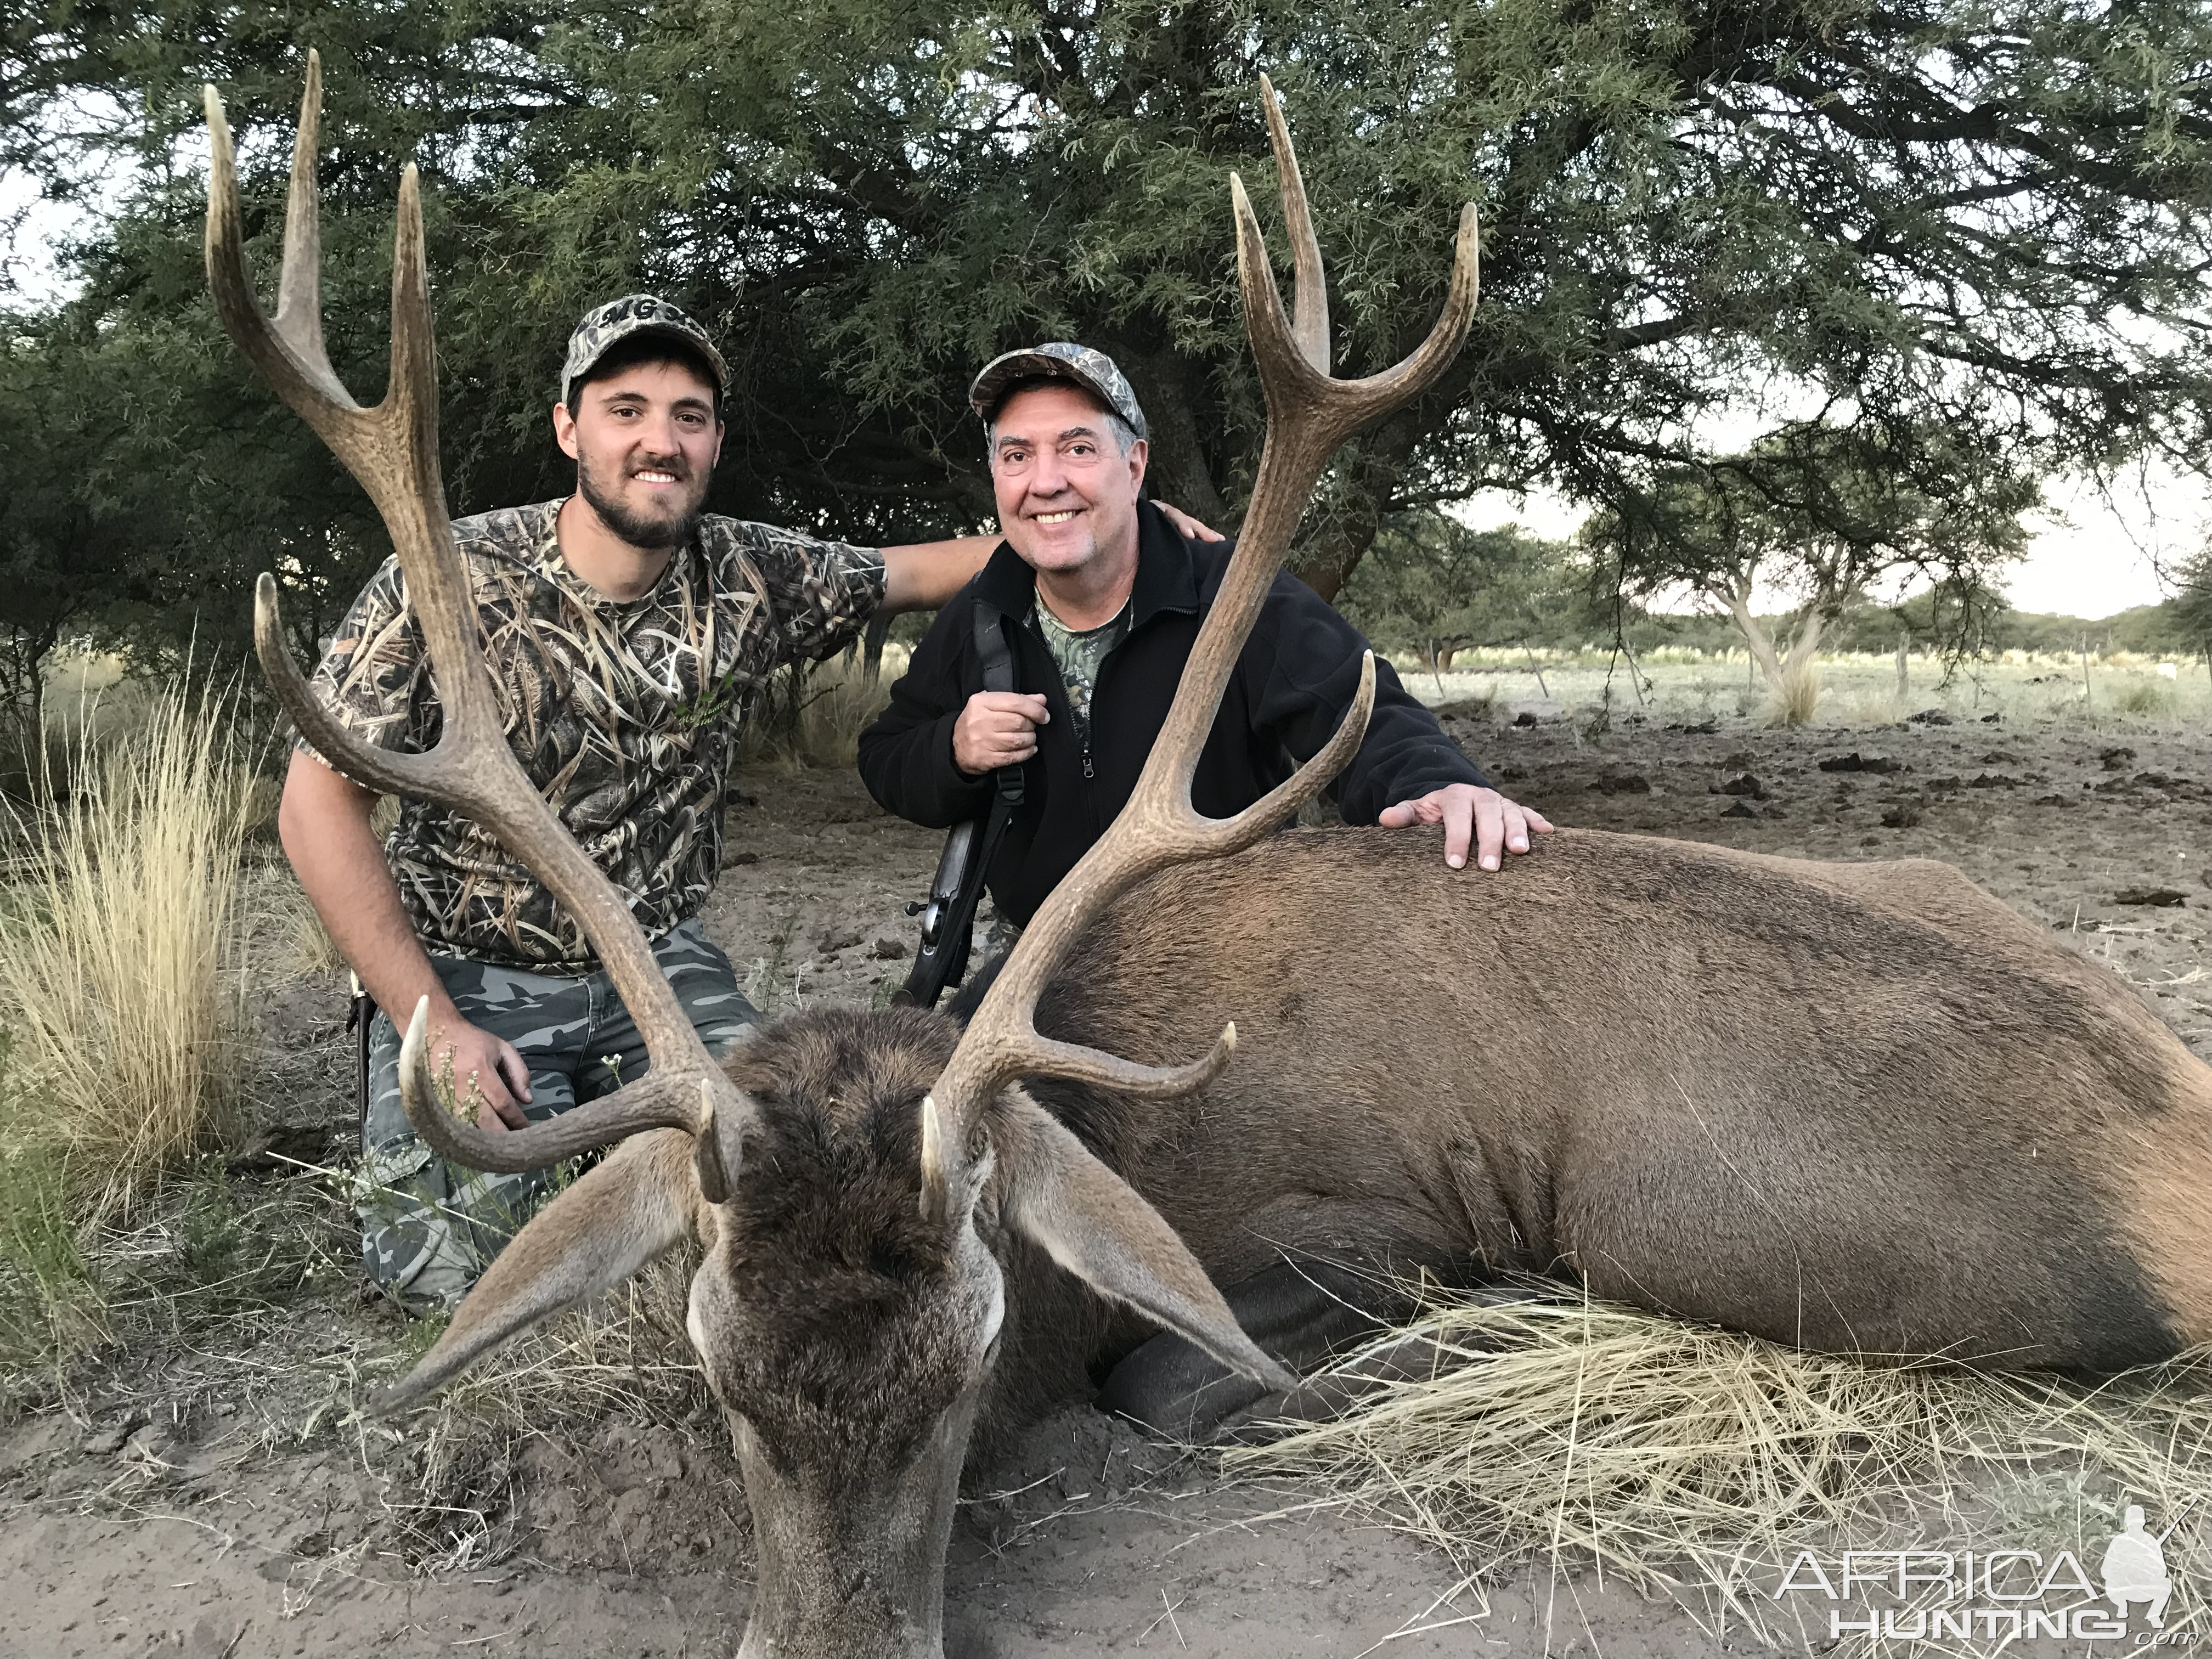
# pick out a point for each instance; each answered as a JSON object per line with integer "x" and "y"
{"x": 948, "y": 915}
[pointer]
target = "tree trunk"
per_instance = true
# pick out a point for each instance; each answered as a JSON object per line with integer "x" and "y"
{"x": 1805, "y": 641}
{"x": 1793, "y": 677}
{"x": 1178, "y": 470}
{"x": 1756, "y": 638}
{"x": 1326, "y": 563}
{"x": 1348, "y": 511}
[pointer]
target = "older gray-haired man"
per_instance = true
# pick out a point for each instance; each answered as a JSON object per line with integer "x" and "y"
{"x": 1099, "y": 597}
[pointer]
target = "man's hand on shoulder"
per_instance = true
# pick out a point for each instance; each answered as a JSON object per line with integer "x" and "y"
{"x": 924, "y": 575}
{"x": 996, "y": 729}
{"x": 1483, "y": 816}
{"x": 1185, "y": 525}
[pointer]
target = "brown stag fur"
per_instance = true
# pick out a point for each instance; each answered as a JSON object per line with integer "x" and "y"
{"x": 1859, "y": 1108}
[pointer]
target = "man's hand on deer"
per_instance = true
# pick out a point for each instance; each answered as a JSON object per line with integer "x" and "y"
{"x": 1493, "y": 825}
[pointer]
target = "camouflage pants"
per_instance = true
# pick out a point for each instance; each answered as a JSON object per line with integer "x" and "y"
{"x": 429, "y": 1227}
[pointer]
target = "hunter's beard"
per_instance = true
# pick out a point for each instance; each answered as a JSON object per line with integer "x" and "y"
{"x": 654, "y": 532}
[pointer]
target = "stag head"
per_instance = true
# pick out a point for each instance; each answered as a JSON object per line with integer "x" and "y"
{"x": 856, "y": 1180}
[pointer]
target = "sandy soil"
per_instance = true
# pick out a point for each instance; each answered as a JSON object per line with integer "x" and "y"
{"x": 238, "y": 1514}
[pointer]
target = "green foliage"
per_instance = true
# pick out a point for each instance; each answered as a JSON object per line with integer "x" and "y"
{"x": 147, "y": 482}
{"x": 1824, "y": 512}
{"x": 1434, "y": 587}
{"x": 2191, "y": 609}
{"x": 50, "y": 1300}
{"x": 1940, "y": 217}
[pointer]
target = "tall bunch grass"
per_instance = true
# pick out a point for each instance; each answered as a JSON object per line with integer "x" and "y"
{"x": 1797, "y": 699}
{"x": 1700, "y": 1460}
{"x": 813, "y": 714}
{"x": 121, "y": 975}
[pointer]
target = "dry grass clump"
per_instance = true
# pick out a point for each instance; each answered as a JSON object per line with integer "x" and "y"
{"x": 1797, "y": 698}
{"x": 1702, "y": 1460}
{"x": 813, "y": 713}
{"x": 622, "y": 1355}
{"x": 292, "y": 937}
{"x": 120, "y": 979}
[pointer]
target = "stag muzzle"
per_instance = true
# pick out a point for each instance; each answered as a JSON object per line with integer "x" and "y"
{"x": 851, "y": 1563}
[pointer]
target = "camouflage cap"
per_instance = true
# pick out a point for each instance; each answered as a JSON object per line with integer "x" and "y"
{"x": 1057, "y": 359}
{"x": 606, "y": 325}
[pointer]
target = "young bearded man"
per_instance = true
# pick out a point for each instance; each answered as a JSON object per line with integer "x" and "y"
{"x": 1101, "y": 597}
{"x": 627, "y": 635}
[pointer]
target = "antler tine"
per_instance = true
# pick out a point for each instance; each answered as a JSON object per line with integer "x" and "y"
{"x": 659, "y": 1100}
{"x": 299, "y": 290}
{"x": 1309, "y": 288}
{"x": 392, "y": 450}
{"x": 303, "y": 377}
{"x": 1309, "y": 414}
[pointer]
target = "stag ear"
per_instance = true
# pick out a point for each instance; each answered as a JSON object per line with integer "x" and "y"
{"x": 616, "y": 1218}
{"x": 1093, "y": 1223}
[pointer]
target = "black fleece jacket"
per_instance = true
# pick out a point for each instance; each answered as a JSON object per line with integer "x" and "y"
{"x": 1291, "y": 685}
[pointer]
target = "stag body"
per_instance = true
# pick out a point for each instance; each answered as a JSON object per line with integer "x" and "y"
{"x": 1859, "y": 1108}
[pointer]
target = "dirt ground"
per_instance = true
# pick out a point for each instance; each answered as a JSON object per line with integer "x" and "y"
{"x": 223, "y": 1505}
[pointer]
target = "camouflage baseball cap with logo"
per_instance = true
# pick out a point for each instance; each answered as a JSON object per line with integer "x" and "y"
{"x": 608, "y": 325}
{"x": 1057, "y": 359}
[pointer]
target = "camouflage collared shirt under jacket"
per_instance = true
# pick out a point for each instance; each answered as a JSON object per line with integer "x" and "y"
{"x": 625, "y": 713}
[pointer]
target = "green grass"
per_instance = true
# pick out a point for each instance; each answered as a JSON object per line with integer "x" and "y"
{"x": 51, "y": 1304}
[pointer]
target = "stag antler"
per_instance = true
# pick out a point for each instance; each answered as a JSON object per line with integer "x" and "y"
{"x": 1308, "y": 415}
{"x": 392, "y": 450}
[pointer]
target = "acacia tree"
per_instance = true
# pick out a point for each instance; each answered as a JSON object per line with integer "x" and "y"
{"x": 1442, "y": 587}
{"x": 1821, "y": 512}
{"x": 1986, "y": 221}
{"x": 2192, "y": 604}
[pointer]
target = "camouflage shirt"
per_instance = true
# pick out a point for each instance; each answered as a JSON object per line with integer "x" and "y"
{"x": 626, "y": 713}
{"x": 1078, "y": 655}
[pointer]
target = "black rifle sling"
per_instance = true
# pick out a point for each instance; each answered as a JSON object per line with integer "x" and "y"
{"x": 948, "y": 920}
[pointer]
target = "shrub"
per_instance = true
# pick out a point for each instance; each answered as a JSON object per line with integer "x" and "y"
{"x": 119, "y": 961}
{"x": 2143, "y": 697}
